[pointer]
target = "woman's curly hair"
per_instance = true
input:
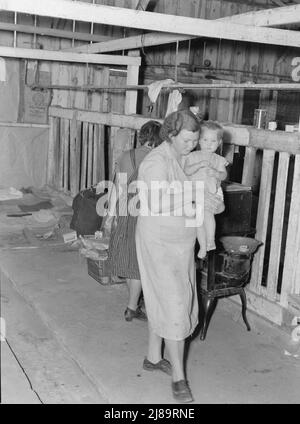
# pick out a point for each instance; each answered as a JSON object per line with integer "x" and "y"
{"x": 177, "y": 121}
{"x": 150, "y": 132}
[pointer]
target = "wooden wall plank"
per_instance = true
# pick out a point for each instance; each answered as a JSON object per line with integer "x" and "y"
{"x": 60, "y": 174}
{"x": 66, "y": 144}
{"x": 276, "y": 235}
{"x": 51, "y": 163}
{"x": 73, "y": 161}
{"x": 249, "y": 166}
{"x": 101, "y": 157}
{"x": 84, "y": 155}
{"x": 96, "y": 155}
{"x": 113, "y": 151}
{"x": 90, "y": 155}
{"x": 262, "y": 218}
{"x": 57, "y": 151}
{"x": 290, "y": 278}
{"x": 79, "y": 126}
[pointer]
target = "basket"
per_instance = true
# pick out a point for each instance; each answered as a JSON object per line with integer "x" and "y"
{"x": 99, "y": 270}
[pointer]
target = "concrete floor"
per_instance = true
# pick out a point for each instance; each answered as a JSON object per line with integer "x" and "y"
{"x": 15, "y": 387}
{"x": 70, "y": 337}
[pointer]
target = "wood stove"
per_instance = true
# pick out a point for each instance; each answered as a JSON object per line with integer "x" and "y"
{"x": 226, "y": 270}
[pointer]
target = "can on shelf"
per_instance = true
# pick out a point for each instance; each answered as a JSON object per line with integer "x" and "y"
{"x": 260, "y": 118}
{"x": 272, "y": 126}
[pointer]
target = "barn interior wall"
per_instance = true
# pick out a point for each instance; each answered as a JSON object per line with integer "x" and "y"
{"x": 220, "y": 60}
{"x": 201, "y": 60}
{"x": 196, "y": 60}
{"x": 24, "y": 149}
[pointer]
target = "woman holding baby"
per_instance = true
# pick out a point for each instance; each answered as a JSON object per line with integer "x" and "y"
{"x": 165, "y": 241}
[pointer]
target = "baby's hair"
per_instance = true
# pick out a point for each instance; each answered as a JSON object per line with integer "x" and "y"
{"x": 149, "y": 132}
{"x": 214, "y": 126}
{"x": 177, "y": 121}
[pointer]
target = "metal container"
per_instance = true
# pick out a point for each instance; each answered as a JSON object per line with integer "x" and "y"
{"x": 260, "y": 118}
{"x": 272, "y": 126}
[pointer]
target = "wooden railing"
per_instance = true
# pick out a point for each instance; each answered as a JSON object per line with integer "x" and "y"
{"x": 83, "y": 147}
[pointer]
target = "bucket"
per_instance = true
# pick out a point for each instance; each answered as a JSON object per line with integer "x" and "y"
{"x": 240, "y": 245}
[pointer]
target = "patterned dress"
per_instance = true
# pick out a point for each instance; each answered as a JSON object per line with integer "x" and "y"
{"x": 122, "y": 250}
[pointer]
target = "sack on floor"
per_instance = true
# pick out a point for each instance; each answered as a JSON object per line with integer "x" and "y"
{"x": 85, "y": 220}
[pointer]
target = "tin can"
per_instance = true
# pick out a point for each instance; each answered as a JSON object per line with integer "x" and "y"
{"x": 260, "y": 118}
{"x": 272, "y": 126}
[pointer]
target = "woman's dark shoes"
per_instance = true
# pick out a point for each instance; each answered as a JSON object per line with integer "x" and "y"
{"x": 137, "y": 314}
{"x": 182, "y": 392}
{"x": 163, "y": 365}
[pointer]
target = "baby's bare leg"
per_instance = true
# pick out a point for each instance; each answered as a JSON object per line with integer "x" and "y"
{"x": 201, "y": 236}
{"x": 210, "y": 228}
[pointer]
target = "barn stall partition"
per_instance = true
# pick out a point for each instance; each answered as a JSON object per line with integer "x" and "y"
{"x": 77, "y": 159}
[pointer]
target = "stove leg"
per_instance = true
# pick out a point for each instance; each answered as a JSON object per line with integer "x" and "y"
{"x": 209, "y": 305}
{"x": 244, "y": 308}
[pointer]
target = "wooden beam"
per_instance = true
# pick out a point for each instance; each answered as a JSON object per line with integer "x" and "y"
{"x": 50, "y": 32}
{"x": 185, "y": 86}
{"x": 134, "y": 42}
{"x": 241, "y": 135}
{"x": 133, "y": 122}
{"x": 68, "y": 56}
{"x": 23, "y": 125}
{"x": 269, "y": 17}
{"x": 123, "y": 17}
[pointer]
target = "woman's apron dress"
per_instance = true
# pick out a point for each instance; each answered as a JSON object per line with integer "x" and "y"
{"x": 165, "y": 252}
{"x": 122, "y": 250}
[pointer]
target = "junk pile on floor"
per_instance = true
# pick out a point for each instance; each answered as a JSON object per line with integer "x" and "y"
{"x": 40, "y": 216}
{"x": 44, "y": 218}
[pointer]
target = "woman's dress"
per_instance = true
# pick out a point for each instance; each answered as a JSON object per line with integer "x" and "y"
{"x": 165, "y": 252}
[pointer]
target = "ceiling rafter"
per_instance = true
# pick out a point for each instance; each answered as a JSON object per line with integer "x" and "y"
{"x": 110, "y": 15}
{"x": 51, "y": 32}
{"x": 59, "y": 56}
{"x": 266, "y": 17}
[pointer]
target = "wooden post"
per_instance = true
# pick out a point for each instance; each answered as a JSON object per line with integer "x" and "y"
{"x": 118, "y": 144}
{"x": 102, "y": 143}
